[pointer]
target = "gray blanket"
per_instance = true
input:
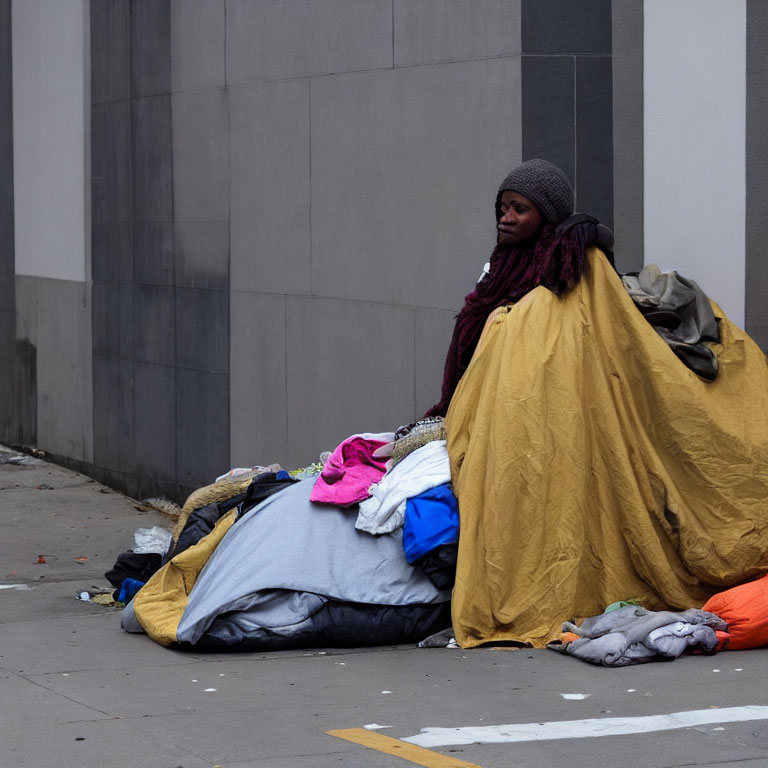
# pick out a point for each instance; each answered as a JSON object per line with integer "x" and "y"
{"x": 285, "y": 559}
{"x": 632, "y": 635}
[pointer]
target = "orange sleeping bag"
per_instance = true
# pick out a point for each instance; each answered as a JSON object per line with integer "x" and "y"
{"x": 745, "y": 609}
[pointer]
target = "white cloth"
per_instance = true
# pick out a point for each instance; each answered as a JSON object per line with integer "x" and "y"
{"x": 424, "y": 468}
{"x": 155, "y": 540}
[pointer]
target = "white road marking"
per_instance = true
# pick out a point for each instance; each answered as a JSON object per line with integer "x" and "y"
{"x": 575, "y": 696}
{"x": 580, "y": 729}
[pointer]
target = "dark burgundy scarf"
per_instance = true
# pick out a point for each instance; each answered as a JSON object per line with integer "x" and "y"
{"x": 555, "y": 258}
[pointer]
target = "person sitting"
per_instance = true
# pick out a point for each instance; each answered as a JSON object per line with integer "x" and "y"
{"x": 590, "y": 464}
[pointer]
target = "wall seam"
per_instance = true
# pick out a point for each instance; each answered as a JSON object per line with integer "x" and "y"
{"x": 755, "y": 154}
{"x": 575, "y": 136}
{"x": 226, "y": 44}
{"x": 309, "y": 153}
{"x": 230, "y": 377}
{"x": 641, "y": 234}
{"x": 415, "y": 368}
{"x": 132, "y": 174}
{"x": 285, "y": 377}
{"x": 393, "y": 34}
{"x": 176, "y": 414}
{"x": 87, "y": 218}
{"x": 440, "y": 63}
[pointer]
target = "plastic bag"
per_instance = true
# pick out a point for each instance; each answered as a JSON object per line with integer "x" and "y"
{"x": 152, "y": 540}
{"x": 745, "y": 609}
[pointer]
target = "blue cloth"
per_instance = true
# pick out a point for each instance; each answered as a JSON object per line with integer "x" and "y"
{"x": 128, "y": 590}
{"x": 282, "y": 475}
{"x": 431, "y": 520}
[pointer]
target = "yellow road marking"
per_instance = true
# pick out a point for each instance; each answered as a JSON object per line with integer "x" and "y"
{"x": 410, "y": 752}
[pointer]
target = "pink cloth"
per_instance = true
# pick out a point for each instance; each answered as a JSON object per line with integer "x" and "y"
{"x": 351, "y": 470}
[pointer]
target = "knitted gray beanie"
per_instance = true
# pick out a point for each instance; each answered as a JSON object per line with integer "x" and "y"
{"x": 544, "y": 184}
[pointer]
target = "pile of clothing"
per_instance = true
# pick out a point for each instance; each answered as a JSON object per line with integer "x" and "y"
{"x": 362, "y": 553}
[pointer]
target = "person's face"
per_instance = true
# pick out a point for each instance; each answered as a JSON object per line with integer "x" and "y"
{"x": 520, "y": 219}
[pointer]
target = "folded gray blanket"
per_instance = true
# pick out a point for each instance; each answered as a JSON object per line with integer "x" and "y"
{"x": 633, "y": 635}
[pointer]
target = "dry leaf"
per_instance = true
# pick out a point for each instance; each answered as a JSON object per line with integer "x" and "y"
{"x": 105, "y": 599}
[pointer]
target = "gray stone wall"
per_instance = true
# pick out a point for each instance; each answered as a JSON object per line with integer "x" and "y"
{"x": 756, "y": 307}
{"x": 160, "y": 286}
{"x": 290, "y": 201}
{"x": 7, "y": 270}
{"x": 18, "y": 356}
{"x": 53, "y": 324}
{"x": 362, "y": 178}
{"x": 567, "y": 95}
{"x": 627, "y": 23}
{"x": 51, "y": 376}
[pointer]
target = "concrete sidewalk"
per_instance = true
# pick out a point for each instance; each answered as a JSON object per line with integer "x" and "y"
{"x": 75, "y": 690}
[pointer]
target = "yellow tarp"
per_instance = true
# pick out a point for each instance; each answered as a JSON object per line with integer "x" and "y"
{"x": 592, "y": 466}
{"x": 160, "y": 603}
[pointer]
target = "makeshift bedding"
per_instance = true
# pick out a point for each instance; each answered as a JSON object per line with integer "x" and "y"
{"x": 289, "y": 573}
{"x": 592, "y": 466}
